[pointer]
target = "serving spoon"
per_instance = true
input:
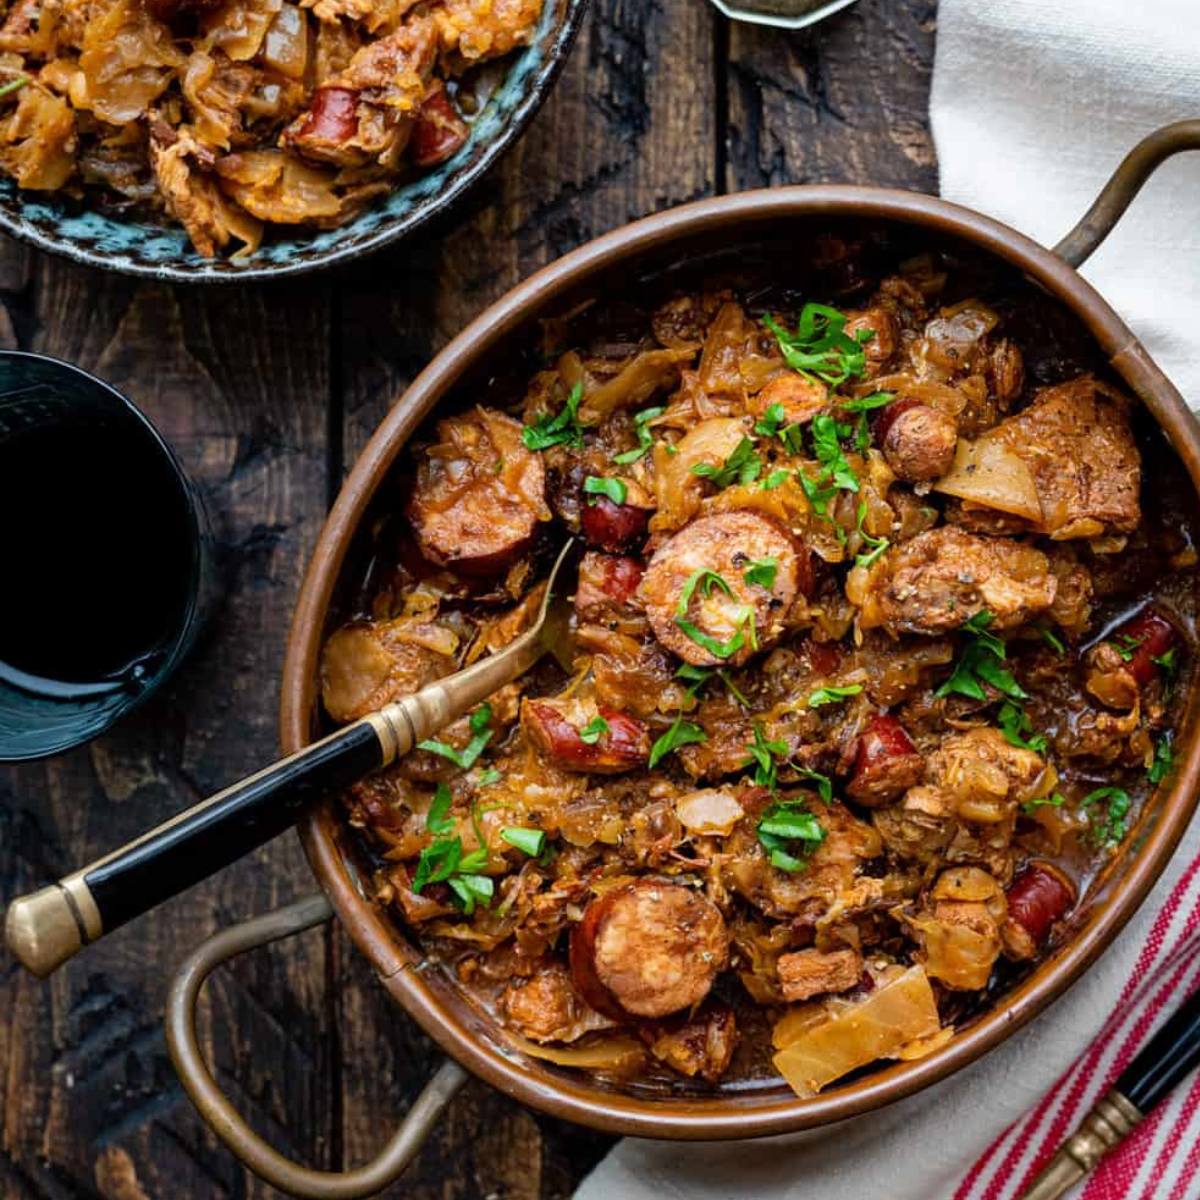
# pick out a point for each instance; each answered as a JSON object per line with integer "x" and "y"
{"x": 43, "y": 930}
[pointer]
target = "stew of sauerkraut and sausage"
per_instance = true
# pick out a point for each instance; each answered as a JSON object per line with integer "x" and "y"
{"x": 881, "y": 635}
{"x": 233, "y": 115}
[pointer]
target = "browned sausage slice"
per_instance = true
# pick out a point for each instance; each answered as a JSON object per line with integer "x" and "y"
{"x": 479, "y": 494}
{"x": 648, "y": 949}
{"x": 578, "y": 736}
{"x": 917, "y": 440}
{"x": 724, "y": 619}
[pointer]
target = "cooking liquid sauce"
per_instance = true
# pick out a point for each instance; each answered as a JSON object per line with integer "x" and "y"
{"x": 96, "y": 550}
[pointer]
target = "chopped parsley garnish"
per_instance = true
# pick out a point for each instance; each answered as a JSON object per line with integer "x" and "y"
{"x": 528, "y": 841}
{"x": 831, "y": 695}
{"x": 1052, "y": 640}
{"x": 598, "y": 485}
{"x": 681, "y": 733}
{"x": 1017, "y": 728}
{"x": 1055, "y": 801}
{"x": 593, "y": 731}
{"x": 775, "y": 479}
{"x": 436, "y": 819}
{"x": 863, "y": 404}
{"x": 1164, "y": 760}
{"x": 877, "y": 544}
{"x": 818, "y": 496}
{"x": 645, "y": 438}
{"x": 1169, "y": 662}
{"x": 789, "y": 833}
{"x": 1111, "y": 827}
{"x": 14, "y": 85}
{"x": 480, "y": 736}
{"x": 772, "y": 421}
{"x": 820, "y": 347}
{"x": 706, "y": 580}
{"x": 443, "y": 859}
{"x": 1124, "y": 645}
{"x": 825, "y": 433}
{"x": 763, "y": 758}
{"x": 823, "y": 783}
{"x": 742, "y": 466}
{"x": 697, "y": 677}
{"x": 979, "y": 663}
{"x": 761, "y": 571}
{"x": 488, "y": 777}
{"x": 560, "y": 430}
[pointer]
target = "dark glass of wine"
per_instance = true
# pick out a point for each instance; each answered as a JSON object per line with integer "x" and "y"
{"x": 105, "y": 557}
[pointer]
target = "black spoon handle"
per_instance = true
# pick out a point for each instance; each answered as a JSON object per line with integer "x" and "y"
{"x": 1166, "y": 1059}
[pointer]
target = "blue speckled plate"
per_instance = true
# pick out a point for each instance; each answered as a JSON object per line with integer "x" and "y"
{"x": 157, "y": 250}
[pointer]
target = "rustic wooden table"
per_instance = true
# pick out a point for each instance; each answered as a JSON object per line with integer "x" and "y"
{"x": 268, "y": 395}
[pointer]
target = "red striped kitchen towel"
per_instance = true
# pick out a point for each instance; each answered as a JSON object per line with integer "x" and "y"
{"x": 1161, "y": 1159}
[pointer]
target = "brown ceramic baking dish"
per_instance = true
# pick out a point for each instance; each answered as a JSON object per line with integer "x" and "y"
{"x": 650, "y": 246}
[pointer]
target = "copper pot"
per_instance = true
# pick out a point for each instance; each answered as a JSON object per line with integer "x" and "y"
{"x": 467, "y": 1035}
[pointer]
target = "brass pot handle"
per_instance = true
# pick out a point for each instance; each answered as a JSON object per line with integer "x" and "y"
{"x": 225, "y": 1121}
{"x": 1136, "y": 167}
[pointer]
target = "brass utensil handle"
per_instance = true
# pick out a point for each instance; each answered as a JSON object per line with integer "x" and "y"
{"x": 225, "y": 1121}
{"x": 1127, "y": 180}
{"x": 47, "y": 928}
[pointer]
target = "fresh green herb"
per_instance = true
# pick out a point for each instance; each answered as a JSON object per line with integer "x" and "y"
{"x": 775, "y": 479}
{"x": 1164, "y": 760}
{"x": 761, "y": 571}
{"x": 823, "y": 782}
{"x": 864, "y": 404}
{"x": 561, "y": 430}
{"x": 597, "y": 485}
{"x": 488, "y": 777}
{"x": 1124, "y": 645}
{"x": 480, "y": 736}
{"x": 826, "y": 432}
{"x": 472, "y": 889}
{"x": 14, "y": 85}
{"x": 742, "y": 466}
{"x": 696, "y": 677}
{"x": 1055, "y": 801}
{"x": 1169, "y": 662}
{"x": 878, "y": 544}
{"x": 831, "y": 695}
{"x": 771, "y": 422}
{"x": 644, "y": 437}
{"x": 436, "y": 819}
{"x": 681, "y": 733}
{"x": 1016, "y": 726}
{"x": 979, "y": 663}
{"x": 792, "y": 437}
{"x": 820, "y": 347}
{"x": 1052, "y": 640}
{"x": 1111, "y": 828}
{"x": 763, "y": 756}
{"x": 706, "y": 580}
{"x": 439, "y": 860}
{"x": 593, "y": 731}
{"x": 862, "y": 434}
{"x": 728, "y": 682}
{"x": 528, "y": 841}
{"x": 789, "y": 833}
{"x": 817, "y": 495}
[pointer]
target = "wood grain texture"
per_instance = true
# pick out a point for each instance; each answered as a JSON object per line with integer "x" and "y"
{"x": 268, "y": 395}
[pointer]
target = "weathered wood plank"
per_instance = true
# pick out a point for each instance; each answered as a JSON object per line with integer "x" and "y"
{"x": 238, "y": 381}
{"x": 629, "y": 129}
{"x": 846, "y": 101}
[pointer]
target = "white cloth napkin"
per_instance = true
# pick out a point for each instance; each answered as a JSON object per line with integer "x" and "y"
{"x": 1034, "y": 103}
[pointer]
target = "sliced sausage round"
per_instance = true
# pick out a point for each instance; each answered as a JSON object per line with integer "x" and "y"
{"x": 887, "y": 763}
{"x": 800, "y": 397}
{"x": 648, "y": 949}
{"x": 917, "y": 440}
{"x": 479, "y": 494}
{"x": 580, "y": 737}
{"x": 610, "y": 526}
{"x": 1037, "y": 897}
{"x": 698, "y": 600}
